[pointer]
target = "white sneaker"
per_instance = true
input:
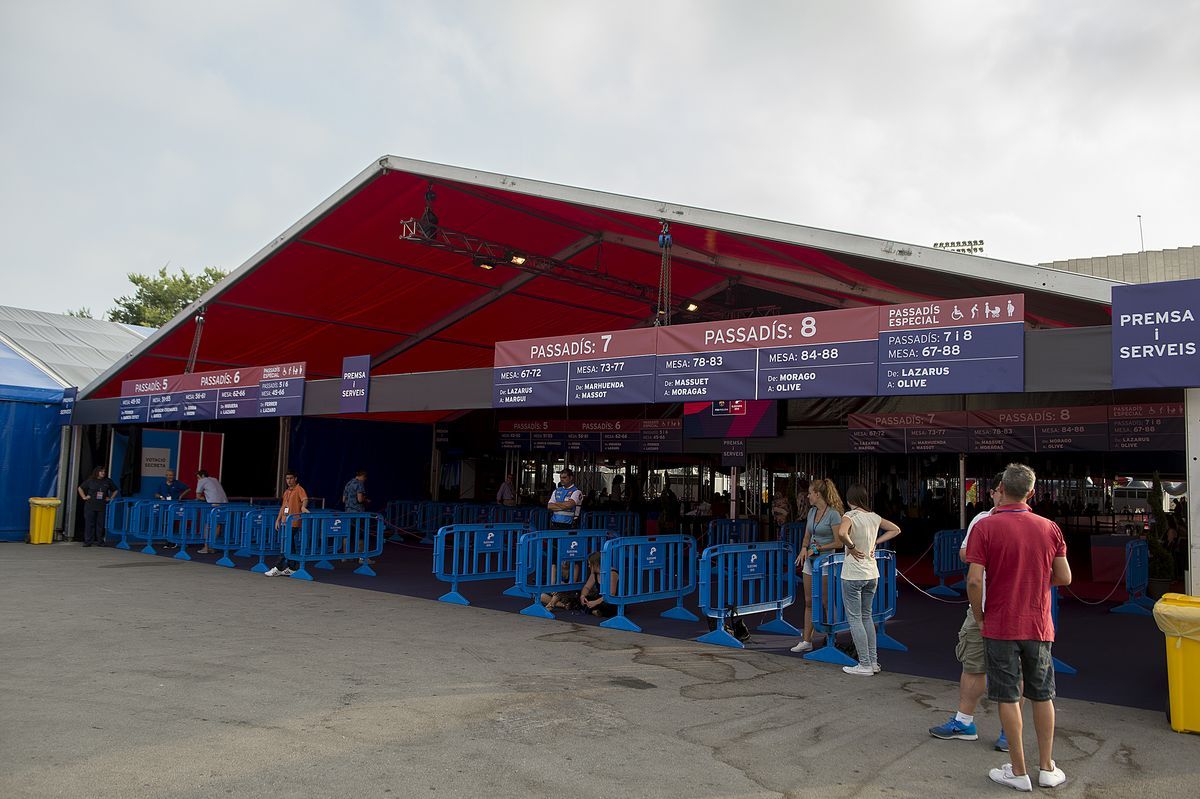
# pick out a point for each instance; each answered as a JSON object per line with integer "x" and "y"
{"x": 1052, "y": 778}
{"x": 274, "y": 572}
{"x": 859, "y": 670}
{"x": 803, "y": 646}
{"x": 876, "y": 668}
{"x": 287, "y": 572}
{"x": 1004, "y": 776}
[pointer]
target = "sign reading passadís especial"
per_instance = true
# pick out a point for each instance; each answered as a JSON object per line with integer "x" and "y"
{"x": 971, "y": 346}
{"x": 585, "y": 369}
{"x": 246, "y": 393}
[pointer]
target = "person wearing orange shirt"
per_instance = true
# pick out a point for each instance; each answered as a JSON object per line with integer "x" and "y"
{"x": 295, "y": 500}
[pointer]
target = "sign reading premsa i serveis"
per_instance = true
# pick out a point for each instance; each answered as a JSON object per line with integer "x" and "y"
{"x": 1156, "y": 336}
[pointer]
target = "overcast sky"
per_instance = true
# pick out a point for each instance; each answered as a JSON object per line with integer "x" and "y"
{"x": 142, "y": 134}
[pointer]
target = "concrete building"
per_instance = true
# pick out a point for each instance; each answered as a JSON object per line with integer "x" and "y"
{"x": 1137, "y": 267}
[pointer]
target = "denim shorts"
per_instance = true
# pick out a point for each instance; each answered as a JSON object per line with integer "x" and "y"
{"x": 1010, "y": 662}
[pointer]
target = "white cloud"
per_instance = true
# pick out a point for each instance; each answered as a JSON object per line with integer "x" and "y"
{"x": 143, "y": 133}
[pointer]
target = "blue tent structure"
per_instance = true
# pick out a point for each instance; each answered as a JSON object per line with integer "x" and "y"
{"x": 41, "y": 354}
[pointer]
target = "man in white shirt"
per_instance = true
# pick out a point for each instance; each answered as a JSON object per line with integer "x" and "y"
{"x": 209, "y": 490}
{"x": 506, "y": 495}
{"x": 971, "y": 654}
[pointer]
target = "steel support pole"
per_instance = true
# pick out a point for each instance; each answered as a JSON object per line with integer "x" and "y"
{"x": 1191, "y": 411}
{"x": 962, "y": 490}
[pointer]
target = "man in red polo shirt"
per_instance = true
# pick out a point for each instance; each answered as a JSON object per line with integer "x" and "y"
{"x": 1024, "y": 555}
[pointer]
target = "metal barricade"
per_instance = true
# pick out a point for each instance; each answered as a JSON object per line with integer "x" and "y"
{"x": 731, "y": 531}
{"x": 624, "y": 522}
{"x": 829, "y": 611}
{"x": 468, "y": 552}
{"x": 793, "y": 534}
{"x": 261, "y": 537}
{"x": 1059, "y": 666}
{"x": 401, "y": 514}
{"x": 531, "y": 516}
{"x": 184, "y": 524}
{"x": 146, "y": 522}
{"x": 947, "y": 563}
{"x": 471, "y": 513}
{"x": 1137, "y": 579}
{"x": 225, "y": 529}
{"x": 636, "y": 569}
{"x": 553, "y": 560}
{"x": 747, "y": 578}
{"x": 117, "y": 518}
{"x": 433, "y": 516}
{"x": 327, "y": 536}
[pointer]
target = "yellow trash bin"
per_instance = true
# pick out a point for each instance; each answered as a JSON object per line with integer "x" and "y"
{"x": 42, "y": 511}
{"x": 1178, "y": 616}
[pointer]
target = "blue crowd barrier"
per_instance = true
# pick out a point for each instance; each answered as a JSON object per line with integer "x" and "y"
{"x": 532, "y": 516}
{"x": 947, "y": 563}
{"x": 226, "y": 529}
{"x": 469, "y": 552}
{"x": 554, "y": 560}
{"x": 322, "y": 537}
{"x": 117, "y": 519}
{"x": 829, "y": 611}
{"x": 1137, "y": 579}
{"x": 146, "y": 523}
{"x": 731, "y": 531}
{"x": 401, "y": 514}
{"x": 648, "y": 568}
{"x": 616, "y": 522}
{"x": 747, "y": 578}
{"x": 184, "y": 524}
{"x": 793, "y": 534}
{"x": 433, "y": 516}
{"x": 260, "y": 537}
{"x": 1059, "y": 666}
{"x": 472, "y": 513}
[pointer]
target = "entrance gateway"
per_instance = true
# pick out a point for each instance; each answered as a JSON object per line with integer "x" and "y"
{"x": 490, "y": 258}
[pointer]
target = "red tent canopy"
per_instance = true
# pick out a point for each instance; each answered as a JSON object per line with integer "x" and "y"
{"x": 347, "y": 280}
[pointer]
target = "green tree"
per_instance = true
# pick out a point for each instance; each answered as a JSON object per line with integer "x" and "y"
{"x": 159, "y": 298}
{"x": 81, "y": 313}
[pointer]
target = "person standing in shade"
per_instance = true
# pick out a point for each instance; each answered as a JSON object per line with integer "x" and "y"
{"x": 1024, "y": 556}
{"x": 668, "y": 511}
{"x": 971, "y": 653}
{"x": 209, "y": 490}
{"x": 172, "y": 489}
{"x": 96, "y": 492}
{"x": 566, "y": 502}
{"x": 506, "y": 495}
{"x": 354, "y": 495}
{"x": 858, "y": 533}
{"x": 824, "y": 516}
{"x": 295, "y": 501}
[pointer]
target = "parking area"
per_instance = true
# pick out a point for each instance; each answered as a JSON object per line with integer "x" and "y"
{"x": 127, "y": 675}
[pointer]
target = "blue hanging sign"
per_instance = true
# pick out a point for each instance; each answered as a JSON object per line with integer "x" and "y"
{"x": 1156, "y": 335}
{"x": 356, "y": 384}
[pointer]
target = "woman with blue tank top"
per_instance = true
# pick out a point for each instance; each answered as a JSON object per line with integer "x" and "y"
{"x": 824, "y": 517}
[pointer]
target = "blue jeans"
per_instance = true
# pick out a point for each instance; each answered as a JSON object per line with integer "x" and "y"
{"x": 858, "y": 596}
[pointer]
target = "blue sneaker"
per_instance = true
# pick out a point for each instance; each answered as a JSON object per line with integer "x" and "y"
{"x": 955, "y": 730}
{"x": 1002, "y": 742}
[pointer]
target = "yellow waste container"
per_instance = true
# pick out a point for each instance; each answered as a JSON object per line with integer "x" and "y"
{"x": 42, "y": 511}
{"x": 1178, "y": 616}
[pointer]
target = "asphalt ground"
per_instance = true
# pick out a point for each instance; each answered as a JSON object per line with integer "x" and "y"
{"x": 123, "y": 675}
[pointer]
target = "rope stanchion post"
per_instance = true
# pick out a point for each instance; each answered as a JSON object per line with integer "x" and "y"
{"x": 647, "y": 569}
{"x": 1137, "y": 580}
{"x": 746, "y": 578}
{"x": 946, "y": 562}
{"x": 470, "y": 552}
